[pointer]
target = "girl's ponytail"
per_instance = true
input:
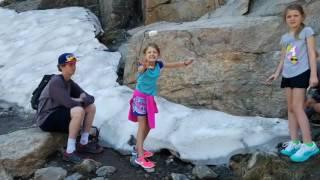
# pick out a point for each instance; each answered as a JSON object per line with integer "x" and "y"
{"x": 296, "y": 34}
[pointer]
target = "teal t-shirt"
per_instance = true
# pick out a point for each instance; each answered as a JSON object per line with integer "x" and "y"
{"x": 147, "y": 81}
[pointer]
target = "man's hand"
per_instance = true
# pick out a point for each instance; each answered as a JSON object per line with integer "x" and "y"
{"x": 83, "y": 96}
{"x": 77, "y": 99}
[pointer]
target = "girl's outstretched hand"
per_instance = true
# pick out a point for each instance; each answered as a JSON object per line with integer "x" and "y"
{"x": 272, "y": 78}
{"x": 188, "y": 62}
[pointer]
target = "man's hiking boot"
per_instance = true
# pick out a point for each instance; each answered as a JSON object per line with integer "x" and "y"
{"x": 146, "y": 153}
{"x": 144, "y": 163}
{"x": 71, "y": 157}
{"x": 92, "y": 148}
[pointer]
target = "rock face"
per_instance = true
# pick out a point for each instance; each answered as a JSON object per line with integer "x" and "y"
{"x": 24, "y": 151}
{"x": 113, "y": 14}
{"x": 177, "y": 10}
{"x": 21, "y": 6}
{"x": 120, "y": 14}
{"x": 233, "y": 57}
{"x": 93, "y": 5}
{"x": 232, "y": 8}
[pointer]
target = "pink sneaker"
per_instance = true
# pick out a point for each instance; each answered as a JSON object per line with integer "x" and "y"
{"x": 146, "y": 153}
{"x": 144, "y": 163}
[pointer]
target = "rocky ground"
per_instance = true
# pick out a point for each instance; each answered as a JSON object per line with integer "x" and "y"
{"x": 13, "y": 118}
{"x": 115, "y": 166}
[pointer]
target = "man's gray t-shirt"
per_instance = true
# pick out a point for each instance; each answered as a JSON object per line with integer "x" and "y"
{"x": 296, "y": 59}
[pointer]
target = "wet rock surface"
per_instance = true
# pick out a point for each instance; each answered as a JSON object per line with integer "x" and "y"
{"x": 21, "y": 5}
{"x": 13, "y": 117}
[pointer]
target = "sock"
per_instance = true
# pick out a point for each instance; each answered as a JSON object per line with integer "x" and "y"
{"x": 295, "y": 141}
{"x": 71, "y": 145}
{"x": 310, "y": 144}
{"x": 84, "y": 138}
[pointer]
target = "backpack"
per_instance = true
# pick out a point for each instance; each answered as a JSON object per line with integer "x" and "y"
{"x": 93, "y": 135}
{"x": 37, "y": 92}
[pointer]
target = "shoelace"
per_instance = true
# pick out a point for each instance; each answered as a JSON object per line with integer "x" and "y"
{"x": 285, "y": 144}
{"x": 288, "y": 143}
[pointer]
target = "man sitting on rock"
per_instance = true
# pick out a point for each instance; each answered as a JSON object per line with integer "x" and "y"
{"x": 65, "y": 107}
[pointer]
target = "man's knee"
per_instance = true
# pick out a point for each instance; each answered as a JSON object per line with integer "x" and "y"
{"x": 91, "y": 108}
{"x": 77, "y": 112}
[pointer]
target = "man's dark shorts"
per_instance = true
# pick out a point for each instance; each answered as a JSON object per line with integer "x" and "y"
{"x": 58, "y": 121}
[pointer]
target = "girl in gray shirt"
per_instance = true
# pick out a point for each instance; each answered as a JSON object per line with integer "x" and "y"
{"x": 299, "y": 71}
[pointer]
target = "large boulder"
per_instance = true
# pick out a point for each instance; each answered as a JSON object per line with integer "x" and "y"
{"x": 48, "y": 4}
{"x": 233, "y": 57}
{"x": 24, "y": 151}
{"x": 177, "y": 10}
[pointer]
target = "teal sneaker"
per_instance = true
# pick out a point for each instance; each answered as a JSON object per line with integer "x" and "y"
{"x": 291, "y": 148}
{"x": 304, "y": 153}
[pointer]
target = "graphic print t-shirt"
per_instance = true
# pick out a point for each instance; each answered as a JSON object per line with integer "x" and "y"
{"x": 296, "y": 58}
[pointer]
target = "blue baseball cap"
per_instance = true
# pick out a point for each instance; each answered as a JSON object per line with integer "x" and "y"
{"x": 66, "y": 58}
